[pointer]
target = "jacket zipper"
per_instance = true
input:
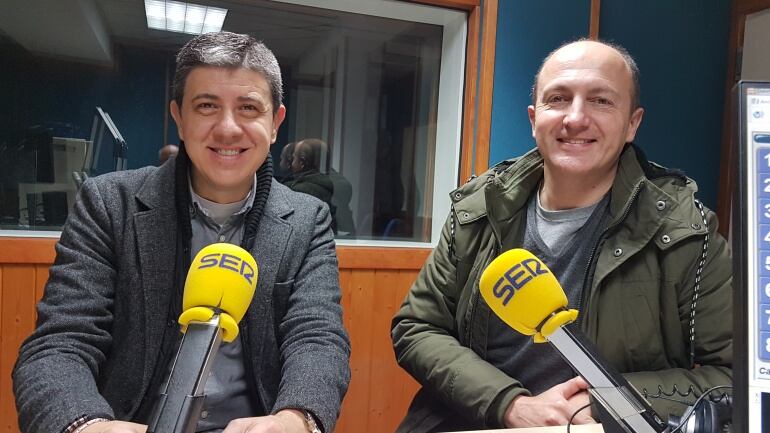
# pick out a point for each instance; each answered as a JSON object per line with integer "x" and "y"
{"x": 474, "y": 299}
{"x": 588, "y": 277}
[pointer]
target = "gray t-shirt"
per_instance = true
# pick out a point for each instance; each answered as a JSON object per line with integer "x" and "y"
{"x": 572, "y": 234}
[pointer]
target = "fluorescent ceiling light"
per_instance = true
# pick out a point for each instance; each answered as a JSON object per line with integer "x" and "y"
{"x": 177, "y": 16}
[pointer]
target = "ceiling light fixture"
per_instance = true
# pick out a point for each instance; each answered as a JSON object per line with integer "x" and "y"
{"x": 176, "y": 16}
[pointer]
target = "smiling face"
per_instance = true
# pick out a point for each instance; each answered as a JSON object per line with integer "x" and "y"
{"x": 228, "y": 123}
{"x": 583, "y": 114}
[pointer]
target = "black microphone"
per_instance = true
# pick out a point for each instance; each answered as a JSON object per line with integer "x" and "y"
{"x": 217, "y": 292}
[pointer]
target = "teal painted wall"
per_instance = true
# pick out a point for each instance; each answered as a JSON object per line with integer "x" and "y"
{"x": 526, "y": 32}
{"x": 681, "y": 49}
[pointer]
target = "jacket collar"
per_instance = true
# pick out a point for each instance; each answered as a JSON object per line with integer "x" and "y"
{"x": 158, "y": 187}
{"x": 157, "y": 192}
{"x": 502, "y": 192}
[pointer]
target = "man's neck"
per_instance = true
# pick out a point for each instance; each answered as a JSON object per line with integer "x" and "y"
{"x": 224, "y": 195}
{"x": 571, "y": 192}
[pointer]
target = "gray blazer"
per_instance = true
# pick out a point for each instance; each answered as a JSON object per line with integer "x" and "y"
{"x": 105, "y": 312}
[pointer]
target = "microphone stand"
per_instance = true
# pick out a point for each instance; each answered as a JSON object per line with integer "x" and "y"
{"x": 628, "y": 411}
{"x": 179, "y": 405}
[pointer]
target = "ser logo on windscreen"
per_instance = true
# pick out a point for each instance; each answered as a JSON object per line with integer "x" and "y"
{"x": 516, "y": 278}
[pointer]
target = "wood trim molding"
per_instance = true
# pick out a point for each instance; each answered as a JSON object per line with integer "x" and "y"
{"x": 593, "y": 26}
{"x": 728, "y": 154}
{"x": 454, "y": 4}
{"x": 748, "y": 7}
{"x": 20, "y": 250}
{"x": 382, "y": 257}
{"x": 486, "y": 86}
{"x": 469, "y": 99}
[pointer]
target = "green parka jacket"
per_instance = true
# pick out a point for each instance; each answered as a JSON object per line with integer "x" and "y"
{"x": 636, "y": 302}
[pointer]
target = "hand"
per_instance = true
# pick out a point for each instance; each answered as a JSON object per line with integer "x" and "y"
{"x": 554, "y": 406}
{"x": 285, "y": 421}
{"x": 115, "y": 427}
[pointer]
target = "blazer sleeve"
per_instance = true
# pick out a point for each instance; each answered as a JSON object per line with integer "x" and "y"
{"x": 313, "y": 343}
{"x": 54, "y": 376}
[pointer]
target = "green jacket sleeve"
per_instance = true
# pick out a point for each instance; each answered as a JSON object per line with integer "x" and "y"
{"x": 425, "y": 337}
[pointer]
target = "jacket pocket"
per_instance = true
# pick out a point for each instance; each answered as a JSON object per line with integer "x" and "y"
{"x": 281, "y": 293}
{"x": 644, "y": 341}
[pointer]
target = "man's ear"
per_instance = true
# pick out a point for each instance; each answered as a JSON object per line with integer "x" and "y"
{"x": 278, "y": 117}
{"x": 177, "y": 116}
{"x": 531, "y": 113}
{"x": 633, "y": 124}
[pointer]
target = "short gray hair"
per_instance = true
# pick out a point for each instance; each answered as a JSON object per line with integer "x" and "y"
{"x": 228, "y": 50}
{"x": 630, "y": 62}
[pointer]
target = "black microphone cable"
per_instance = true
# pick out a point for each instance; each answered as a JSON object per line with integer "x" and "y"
{"x": 683, "y": 421}
{"x": 694, "y": 407}
{"x": 572, "y": 418}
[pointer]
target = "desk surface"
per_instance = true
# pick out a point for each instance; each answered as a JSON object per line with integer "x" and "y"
{"x": 587, "y": 428}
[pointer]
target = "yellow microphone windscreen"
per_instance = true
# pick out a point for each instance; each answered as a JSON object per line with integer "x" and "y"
{"x": 221, "y": 277}
{"x": 525, "y": 294}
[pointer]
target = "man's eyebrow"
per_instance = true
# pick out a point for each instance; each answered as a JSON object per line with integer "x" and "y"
{"x": 556, "y": 88}
{"x": 604, "y": 89}
{"x": 259, "y": 99}
{"x": 593, "y": 90}
{"x": 204, "y": 96}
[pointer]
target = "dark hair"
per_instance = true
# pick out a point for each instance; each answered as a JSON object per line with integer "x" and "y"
{"x": 310, "y": 153}
{"x": 630, "y": 62}
{"x": 228, "y": 50}
{"x": 287, "y": 155}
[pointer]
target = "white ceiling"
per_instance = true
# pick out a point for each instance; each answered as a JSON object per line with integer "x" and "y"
{"x": 86, "y": 29}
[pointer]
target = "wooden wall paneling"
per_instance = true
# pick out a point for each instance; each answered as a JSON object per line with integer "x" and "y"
{"x": 406, "y": 386}
{"x": 27, "y": 250}
{"x": 358, "y": 302}
{"x": 346, "y": 301}
{"x": 1, "y": 311}
{"x": 18, "y": 320}
{"x": 41, "y": 277}
{"x": 381, "y": 258}
{"x": 386, "y": 389}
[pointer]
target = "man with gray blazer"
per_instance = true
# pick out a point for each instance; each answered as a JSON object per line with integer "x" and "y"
{"x": 107, "y": 323}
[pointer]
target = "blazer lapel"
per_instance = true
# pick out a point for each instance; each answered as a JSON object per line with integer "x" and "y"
{"x": 269, "y": 249}
{"x": 156, "y": 237}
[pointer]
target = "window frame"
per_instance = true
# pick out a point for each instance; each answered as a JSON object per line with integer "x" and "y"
{"x": 470, "y": 107}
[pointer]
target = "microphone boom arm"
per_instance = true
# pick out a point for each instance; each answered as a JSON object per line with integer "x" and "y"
{"x": 614, "y": 393}
{"x": 181, "y": 400}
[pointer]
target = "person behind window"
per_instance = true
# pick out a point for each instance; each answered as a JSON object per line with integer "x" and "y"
{"x": 107, "y": 327}
{"x": 287, "y": 156}
{"x": 167, "y": 152}
{"x": 625, "y": 238}
{"x": 311, "y": 177}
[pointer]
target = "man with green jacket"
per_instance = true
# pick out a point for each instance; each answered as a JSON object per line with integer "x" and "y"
{"x": 635, "y": 252}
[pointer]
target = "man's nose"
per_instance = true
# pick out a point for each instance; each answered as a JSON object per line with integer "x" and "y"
{"x": 227, "y": 128}
{"x": 576, "y": 116}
